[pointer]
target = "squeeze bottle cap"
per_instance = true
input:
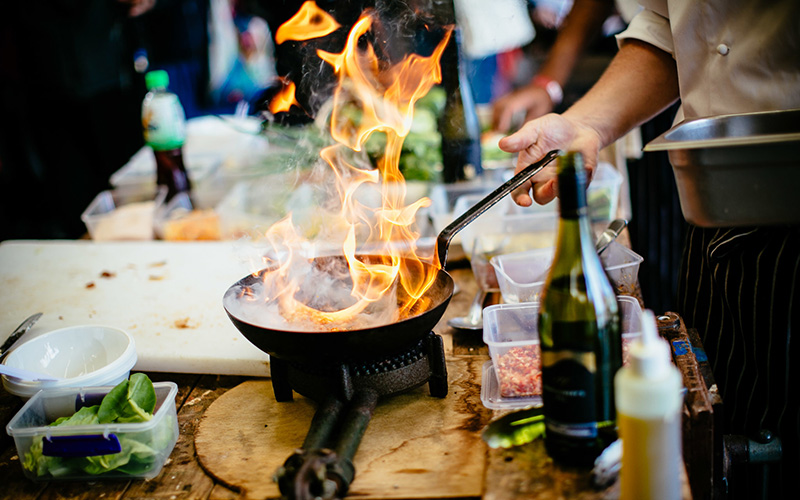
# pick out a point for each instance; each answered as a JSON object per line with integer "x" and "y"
{"x": 649, "y": 354}
{"x": 156, "y": 79}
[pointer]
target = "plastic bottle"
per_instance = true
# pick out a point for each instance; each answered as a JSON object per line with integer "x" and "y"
{"x": 648, "y": 397}
{"x": 164, "y": 123}
{"x": 579, "y": 332}
{"x": 458, "y": 125}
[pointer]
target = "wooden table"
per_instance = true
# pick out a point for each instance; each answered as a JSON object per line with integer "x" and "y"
{"x": 523, "y": 472}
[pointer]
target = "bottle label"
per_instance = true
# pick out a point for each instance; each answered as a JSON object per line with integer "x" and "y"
{"x": 586, "y": 430}
{"x": 568, "y": 386}
{"x": 164, "y": 122}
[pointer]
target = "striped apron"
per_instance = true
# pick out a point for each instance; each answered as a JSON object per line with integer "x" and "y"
{"x": 739, "y": 288}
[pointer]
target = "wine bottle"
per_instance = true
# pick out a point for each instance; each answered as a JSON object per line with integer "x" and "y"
{"x": 579, "y": 332}
{"x": 458, "y": 124}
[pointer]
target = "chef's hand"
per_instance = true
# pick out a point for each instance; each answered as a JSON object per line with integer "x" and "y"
{"x": 531, "y": 100}
{"x": 538, "y": 137}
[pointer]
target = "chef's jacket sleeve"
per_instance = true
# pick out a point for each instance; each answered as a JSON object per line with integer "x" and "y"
{"x": 651, "y": 25}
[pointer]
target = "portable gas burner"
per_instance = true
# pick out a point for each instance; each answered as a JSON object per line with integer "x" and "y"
{"x": 347, "y": 393}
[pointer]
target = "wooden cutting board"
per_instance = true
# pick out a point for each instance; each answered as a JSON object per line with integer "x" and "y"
{"x": 416, "y": 446}
{"x": 167, "y": 295}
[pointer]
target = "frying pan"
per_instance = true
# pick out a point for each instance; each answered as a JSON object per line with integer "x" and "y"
{"x": 366, "y": 343}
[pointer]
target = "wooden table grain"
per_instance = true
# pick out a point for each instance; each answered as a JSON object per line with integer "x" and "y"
{"x": 523, "y": 472}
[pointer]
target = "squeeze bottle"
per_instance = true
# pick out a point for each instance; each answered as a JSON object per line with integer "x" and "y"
{"x": 648, "y": 401}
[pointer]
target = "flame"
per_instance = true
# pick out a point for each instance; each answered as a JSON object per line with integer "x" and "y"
{"x": 309, "y": 22}
{"x": 385, "y": 95}
{"x": 285, "y": 98}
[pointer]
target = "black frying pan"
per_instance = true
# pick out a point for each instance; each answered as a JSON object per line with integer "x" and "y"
{"x": 386, "y": 339}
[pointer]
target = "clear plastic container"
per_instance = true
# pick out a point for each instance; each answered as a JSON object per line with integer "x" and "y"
{"x": 602, "y": 196}
{"x": 124, "y": 214}
{"x": 511, "y": 333}
{"x": 67, "y": 449}
{"x": 630, "y": 312}
{"x": 512, "y": 379}
{"x": 521, "y": 275}
{"x": 180, "y": 221}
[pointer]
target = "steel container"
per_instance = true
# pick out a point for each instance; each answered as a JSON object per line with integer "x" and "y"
{"x": 736, "y": 170}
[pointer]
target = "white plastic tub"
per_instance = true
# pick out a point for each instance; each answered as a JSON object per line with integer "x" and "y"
{"x": 87, "y": 355}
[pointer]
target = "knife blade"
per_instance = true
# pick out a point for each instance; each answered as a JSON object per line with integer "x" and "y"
{"x": 17, "y": 333}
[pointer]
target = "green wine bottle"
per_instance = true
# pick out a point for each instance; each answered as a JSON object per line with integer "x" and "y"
{"x": 579, "y": 332}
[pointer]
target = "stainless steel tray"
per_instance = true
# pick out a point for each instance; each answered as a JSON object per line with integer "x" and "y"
{"x": 736, "y": 170}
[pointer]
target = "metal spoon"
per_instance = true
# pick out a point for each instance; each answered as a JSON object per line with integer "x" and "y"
{"x": 17, "y": 333}
{"x": 474, "y": 318}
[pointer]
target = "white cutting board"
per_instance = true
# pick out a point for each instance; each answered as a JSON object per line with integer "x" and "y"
{"x": 167, "y": 295}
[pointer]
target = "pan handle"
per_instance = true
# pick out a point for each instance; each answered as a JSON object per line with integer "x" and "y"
{"x": 475, "y": 211}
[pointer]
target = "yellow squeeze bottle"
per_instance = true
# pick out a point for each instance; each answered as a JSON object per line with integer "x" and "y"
{"x": 648, "y": 400}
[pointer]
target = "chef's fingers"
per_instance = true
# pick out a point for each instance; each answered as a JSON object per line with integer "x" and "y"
{"x": 545, "y": 192}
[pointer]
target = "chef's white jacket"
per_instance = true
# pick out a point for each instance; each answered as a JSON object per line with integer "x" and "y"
{"x": 733, "y": 56}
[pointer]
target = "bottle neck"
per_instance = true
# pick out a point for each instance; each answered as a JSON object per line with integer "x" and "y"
{"x": 574, "y": 224}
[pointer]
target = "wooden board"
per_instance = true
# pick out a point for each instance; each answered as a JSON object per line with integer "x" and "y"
{"x": 416, "y": 446}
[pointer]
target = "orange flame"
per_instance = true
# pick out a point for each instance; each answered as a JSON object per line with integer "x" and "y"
{"x": 309, "y": 22}
{"x": 285, "y": 98}
{"x": 385, "y": 96}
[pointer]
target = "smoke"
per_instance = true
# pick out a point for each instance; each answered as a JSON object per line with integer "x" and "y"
{"x": 322, "y": 285}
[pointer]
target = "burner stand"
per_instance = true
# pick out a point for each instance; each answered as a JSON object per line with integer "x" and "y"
{"x": 347, "y": 394}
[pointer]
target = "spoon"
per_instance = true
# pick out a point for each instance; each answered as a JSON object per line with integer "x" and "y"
{"x": 610, "y": 234}
{"x": 24, "y": 374}
{"x": 474, "y": 318}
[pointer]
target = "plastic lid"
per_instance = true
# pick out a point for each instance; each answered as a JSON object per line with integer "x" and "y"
{"x": 649, "y": 354}
{"x": 156, "y": 79}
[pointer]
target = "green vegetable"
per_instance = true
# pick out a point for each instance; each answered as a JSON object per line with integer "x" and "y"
{"x": 131, "y": 401}
{"x": 515, "y": 429}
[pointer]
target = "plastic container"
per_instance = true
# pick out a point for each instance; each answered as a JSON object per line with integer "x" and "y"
{"x": 66, "y": 445}
{"x": 124, "y": 214}
{"x": 511, "y": 333}
{"x": 602, "y": 196}
{"x": 521, "y": 275}
{"x": 522, "y": 230}
{"x": 180, "y": 221}
{"x": 87, "y": 355}
{"x": 512, "y": 379}
{"x": 630, "y": 312}
{"x": 250, "y": 208}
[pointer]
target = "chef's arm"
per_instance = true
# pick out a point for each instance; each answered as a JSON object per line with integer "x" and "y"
{"x": 640, "y": 82}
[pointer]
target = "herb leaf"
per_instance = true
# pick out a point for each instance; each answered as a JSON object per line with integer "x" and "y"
{"x": 516, "y": 428}
{"x": 131, "y": 400}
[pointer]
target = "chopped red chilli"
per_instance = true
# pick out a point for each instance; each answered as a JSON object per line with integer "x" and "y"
{"x": 520, "y": 373}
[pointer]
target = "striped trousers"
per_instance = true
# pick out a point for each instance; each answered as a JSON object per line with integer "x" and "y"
{"x": 739, "y": 288}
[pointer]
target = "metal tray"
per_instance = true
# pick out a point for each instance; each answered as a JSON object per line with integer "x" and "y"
{"x": 736, "y": 170}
